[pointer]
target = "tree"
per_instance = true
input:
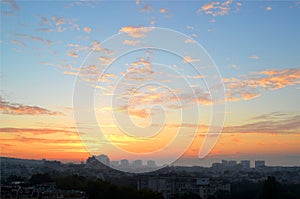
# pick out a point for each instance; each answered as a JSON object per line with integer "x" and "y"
{"x": 271, "y": 188}
{"x": 222, "y": 194}
{"x": 40, "y": 178}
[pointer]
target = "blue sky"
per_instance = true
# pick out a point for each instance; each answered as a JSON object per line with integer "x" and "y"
{"x": 254, "y": 44}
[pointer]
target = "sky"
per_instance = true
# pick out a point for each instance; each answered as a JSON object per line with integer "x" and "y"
{"x": 157, "y": 80}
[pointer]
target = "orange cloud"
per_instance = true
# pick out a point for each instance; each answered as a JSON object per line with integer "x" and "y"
{"x": 19, "y": 109}
{"x": 106, "y": 60}
{"x": 87, "y": 29}
{"x": 131, "y": 42}
{"x": 140, "y": 113}
{"x": 216, "y": 8}
{"x": 189, "y": 41}
{"x": 135, "y": 32}
{"x": 43, "y": 142}
{"x": 71, "y": 54}
{"x": 59, "y": 21}
{"x": 188, "y": 59}
{"x": 37, "y": 131}
{"x": 209, "y": 6}
{"x": 163, "y": 10}
{"x": 251, "y": 87}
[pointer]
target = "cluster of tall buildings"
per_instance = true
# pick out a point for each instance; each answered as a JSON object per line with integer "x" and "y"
{"x": 123, "y": 163}
{"x": 245, "y": 164}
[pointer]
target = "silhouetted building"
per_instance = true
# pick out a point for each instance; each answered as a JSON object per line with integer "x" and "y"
{"x": 245, "y": 164}
{"x": 259, "y": 164}
{"x": 97, "y": 162}
{"x": 231, "y": 163}
{"x": 224, "y": 163}
{"x": 170, "y": 186}
{"x": 124, "y": 163}
{"x": 151, "y": 163}
{"x": 137, "y": 163}
{"x": 114, "y": 163}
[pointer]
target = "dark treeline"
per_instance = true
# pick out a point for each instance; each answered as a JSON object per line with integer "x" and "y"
{"x": 269, "y": 189}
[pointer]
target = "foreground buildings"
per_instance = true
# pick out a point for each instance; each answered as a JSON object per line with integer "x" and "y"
{"x": 169, "y": 181}
{"x": 171, "y": 186}
{"x": 40, "y": 191}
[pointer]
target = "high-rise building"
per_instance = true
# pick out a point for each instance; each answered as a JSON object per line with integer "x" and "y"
{"x": 245, "y": 164}
{"x": 259, "y": 164}
{"x": 231, "y": 163}
{"x": 114, "y": 163}
{"x": 151, "y": 163}
{"x": 124, "y": 163}
{"x": 137, "y": 163}
{"x": 224, "y": 163}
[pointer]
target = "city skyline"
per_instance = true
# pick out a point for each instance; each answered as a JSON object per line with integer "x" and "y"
{"x": 46, "y": 53}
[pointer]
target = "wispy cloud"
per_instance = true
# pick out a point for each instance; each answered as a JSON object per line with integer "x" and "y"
{"x": 12, "y": 7}
{"x": 59, "y": 21}
{"x": 36, "y": 131}
{"x": 147, "y": 8}
{"x": 189, "y": 41}
{"x": 134, "y": 31}
{"x": 18, "y": 42}
{"x": 45, "y": 30}
{"x": 254, "y": 57}
{"x": 188, "y": 59}
{"x": 252, "y": 86}
{"x": 270, "y": 116}
{"x": 20, "y": 109}
{"x": 34, "y": 38}
{"x": 131, "y": 42}
{"x": 216, "y": 8}
{"x": 269, "y": 124}
{"x": 59, "y": 24}
{"x": 71, "y": 54}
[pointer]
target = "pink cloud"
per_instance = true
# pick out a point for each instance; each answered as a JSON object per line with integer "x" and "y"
{"x": 146, "y": 8}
